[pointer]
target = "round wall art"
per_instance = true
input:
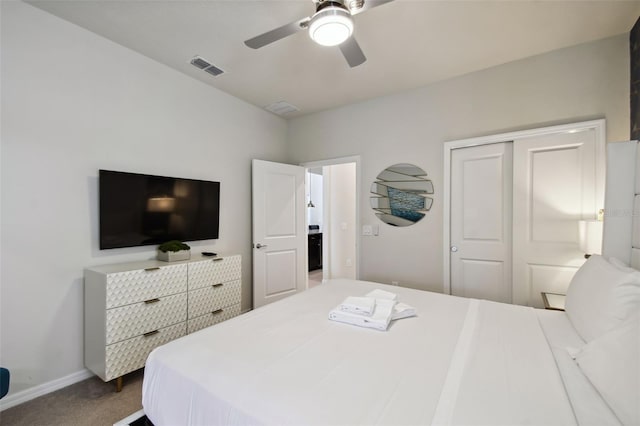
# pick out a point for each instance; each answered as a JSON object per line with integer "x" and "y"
{"x": 400, "y": 194}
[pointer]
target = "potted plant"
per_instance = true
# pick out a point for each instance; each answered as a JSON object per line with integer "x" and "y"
{"x": 174, "y": 250}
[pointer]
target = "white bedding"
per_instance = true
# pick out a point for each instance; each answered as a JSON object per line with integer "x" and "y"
{"x": 588, "y": 406}
{"x": 460, "y": 361}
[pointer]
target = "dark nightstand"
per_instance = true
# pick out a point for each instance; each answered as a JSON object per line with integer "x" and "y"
{"x": 553, "y": 301}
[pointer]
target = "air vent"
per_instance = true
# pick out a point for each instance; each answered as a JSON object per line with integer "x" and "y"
{"x": 206, "y": 66}
{"x": 281, "y": 108}
{"x": 213, "y": 70}
{"x": 200, "y": 63}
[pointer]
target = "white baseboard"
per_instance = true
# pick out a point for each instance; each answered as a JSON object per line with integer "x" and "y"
{"x": 12, "y": 400}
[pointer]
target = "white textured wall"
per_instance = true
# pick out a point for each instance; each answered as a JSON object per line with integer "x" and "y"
{"x": 341, "y": 181}
{"x": 574, "y": 84}
{"x": 73, "y": 102}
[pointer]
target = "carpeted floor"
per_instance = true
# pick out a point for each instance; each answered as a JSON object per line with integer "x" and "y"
{"x": 90, "y": 402}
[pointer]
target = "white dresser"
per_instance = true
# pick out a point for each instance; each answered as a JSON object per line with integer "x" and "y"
{"x": 131, "y": 308}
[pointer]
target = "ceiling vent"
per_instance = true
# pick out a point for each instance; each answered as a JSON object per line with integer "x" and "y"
{"x": 281, "y": 108}
{"x": 206, "y": 66}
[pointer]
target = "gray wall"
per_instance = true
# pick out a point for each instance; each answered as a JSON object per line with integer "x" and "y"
{"x": 579, "y": 83}
{"x": 72, "y": 103}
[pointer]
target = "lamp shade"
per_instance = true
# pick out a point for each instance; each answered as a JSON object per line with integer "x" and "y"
{"x": 161, "y": 204}
{"x": 590, "y": 234}
{"x": 331, "y": 26}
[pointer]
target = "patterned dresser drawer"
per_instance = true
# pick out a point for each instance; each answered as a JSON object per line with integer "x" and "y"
{"x": 213, "y": 297}
{"x": 129, "y": 355}
{"x": 133, "y": 320}
{"x": 209, "y": 319}
{"x": 133, "y": 286}
{"x": 131, "y": 308}
{"x": 214, "y": 271}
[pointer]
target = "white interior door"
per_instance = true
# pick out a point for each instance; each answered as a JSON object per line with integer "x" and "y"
{"x": 555, "y": 186}
{"x": 481, "y": 191}
{"x": 279, "y": 234}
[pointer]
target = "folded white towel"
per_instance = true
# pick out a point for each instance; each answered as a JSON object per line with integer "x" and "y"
{"x": 379, "y": 320}
{"x": 402, "y": 310}
{"x": 382, "y": 294}
{"x": 358, "y": 305}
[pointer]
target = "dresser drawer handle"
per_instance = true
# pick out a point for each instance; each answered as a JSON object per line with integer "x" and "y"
{"x": 218, "y": 259}
{"x": 150, "y": 301}
{"x": 217, "y": 285}
{"x": 151, "y": 333}
{"x": 217, "y": 311}
{"x": 157, "y": 268}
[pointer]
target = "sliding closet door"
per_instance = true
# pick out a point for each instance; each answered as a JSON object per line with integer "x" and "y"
{"x": 481, "y": 191}
{"x": 554, "y": 185}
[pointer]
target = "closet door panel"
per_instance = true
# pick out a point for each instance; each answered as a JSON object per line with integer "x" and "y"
{"x": 554, "y": 186}
{"x": 480, "y": 255}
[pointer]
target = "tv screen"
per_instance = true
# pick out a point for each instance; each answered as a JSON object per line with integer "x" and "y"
{"x": 138, "y": 210}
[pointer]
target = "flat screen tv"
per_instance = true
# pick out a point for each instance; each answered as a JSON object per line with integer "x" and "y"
{"x": 139, "y": 210}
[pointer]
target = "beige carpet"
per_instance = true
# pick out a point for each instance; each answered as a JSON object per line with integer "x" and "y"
{"x": 90, "y": 402}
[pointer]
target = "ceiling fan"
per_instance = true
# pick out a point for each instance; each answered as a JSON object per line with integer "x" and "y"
{"x": 331, "y": 25}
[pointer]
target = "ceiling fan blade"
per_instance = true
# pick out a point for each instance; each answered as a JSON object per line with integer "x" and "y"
{"x": 277, "y": 34}
{"x": 352, "y": 52}
{"x": 369, "y": 4}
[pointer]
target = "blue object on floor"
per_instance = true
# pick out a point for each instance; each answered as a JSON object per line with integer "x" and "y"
{"x": 4, "y": 382}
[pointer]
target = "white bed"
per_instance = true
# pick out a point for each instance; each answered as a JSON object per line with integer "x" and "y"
{"x": 460, "y": 361}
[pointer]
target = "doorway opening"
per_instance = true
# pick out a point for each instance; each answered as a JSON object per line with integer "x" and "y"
{"x": 315, "y": 204}
{"x": 332, "y": 188}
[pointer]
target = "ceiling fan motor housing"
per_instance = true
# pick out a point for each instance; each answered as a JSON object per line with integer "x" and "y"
{"x": 355, "y": 4}
{"x": 350, "y": 5}
{"x": 323, "y": 4}
{"x": 331, "y": 24}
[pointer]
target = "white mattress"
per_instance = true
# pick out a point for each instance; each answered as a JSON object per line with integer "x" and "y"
{"x": 460, "y": 361}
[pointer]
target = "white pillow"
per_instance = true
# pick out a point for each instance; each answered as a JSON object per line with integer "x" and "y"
{"x": 612, "y": 365}
{"x": 601, "y": 296}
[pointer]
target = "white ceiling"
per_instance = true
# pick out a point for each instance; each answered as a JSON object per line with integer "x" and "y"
{"x": 408, "y": 43}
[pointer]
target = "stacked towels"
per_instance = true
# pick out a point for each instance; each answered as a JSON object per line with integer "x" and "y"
{"x": 375, "y": 310}
{"x": 359, "y": 305}
{"x": 402, "y": 310}
{"x": 378, "y": 319}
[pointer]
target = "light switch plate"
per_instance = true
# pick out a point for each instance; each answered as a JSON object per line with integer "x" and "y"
{"x": 367, "y": 230}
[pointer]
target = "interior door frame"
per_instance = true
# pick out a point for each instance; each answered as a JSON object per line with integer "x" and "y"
{"x": 599, "y": 127}
{"x": 326, "y": 220}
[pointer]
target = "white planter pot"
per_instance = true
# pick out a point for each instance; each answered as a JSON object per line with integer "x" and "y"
{"x": 174, "y": 256}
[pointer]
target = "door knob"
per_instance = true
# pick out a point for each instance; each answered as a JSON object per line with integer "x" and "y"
{"x": 258, "y": 246}
{"x": 454, "y": 249}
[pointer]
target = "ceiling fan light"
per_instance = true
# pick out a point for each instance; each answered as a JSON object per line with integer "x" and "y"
{"x": 331, "y": 26}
